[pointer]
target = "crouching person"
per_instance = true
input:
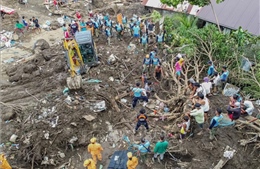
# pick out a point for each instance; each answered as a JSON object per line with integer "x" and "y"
{"x": 214, "y": 123}
{"x": 138, "y": 95}
{"x": 141, "y": 120}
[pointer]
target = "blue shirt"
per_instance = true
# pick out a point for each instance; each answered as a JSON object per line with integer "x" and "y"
{"x": 106, "y": 17}
{"x": 152, "y": 54}
{"x": 108, "y": 23}
{"x": 155, "y": 61}
{"x": 137, "y": 92}
{"x": 124, "y": 20}
{"x": 118, "y": 27}
{"x": 211, "y": 70}
{"x": 143, "y": 148}
{"x": 147, "y": 61}
{"x": 83, "y": 24}
{"x": 131, "y": 25}
{"x": 215, "y": 121}
{"x": 108, "y": 33}
{"x": 136, "y": 30}
{"x": 144, "y": 40}
{"x": 224, "y": 76}
{"x": 159, "y": 38}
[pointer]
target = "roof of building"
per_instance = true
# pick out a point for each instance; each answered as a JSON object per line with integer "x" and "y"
{"x": 234, "y": 13}
{"x": 191, "y": 9}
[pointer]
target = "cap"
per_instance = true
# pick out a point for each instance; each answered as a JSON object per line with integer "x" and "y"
{"x": 93, "y": 140}
{"x": 206, "y": 79}
{"x": 197, "y": 84}
{"x": 129, "y": 155}
{"x": 209, "y": 62}
{"x": 147, "y": 56}
{"x": 237, "y": 104}
{"x": 142, "y": 140}
{"x": 86, "y": 163}
{"x": 186, "y": 118}
{"x": 197, "y": 105}
{"x": 224, "y": 67}
{"x": 191, "y": 80}
{"x": 142, "y": 111}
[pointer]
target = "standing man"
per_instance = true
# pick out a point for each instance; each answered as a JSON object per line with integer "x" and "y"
{"x": 160, "y": 149}
{"x": 124, "y": 20}
{"x": 136, "y": 31}
{"x": 143, "y": 150}
{"x": 141, "y": 120}
{"x": 224, "y": 76}
{"x": 74, "y": 27}
{"x": 119, "y": 30}
{"x": 89, "y": 164}
{"x": 138, "y": 95}
{"x": 153, "y": 53}
{"x": 26, "y": 25}
{"x": 158, "y": 72}
{"x": 160, "y": 39}
{"x": 83, "y": 25}
{"x": 211, "y": 69}
{"x": 156, "y": 61}
{"x": 132, "y": 161}
{"x": 131, "y": 26}
{"x": 214, "y": 123}
{"x": 144, "y": 41}
{"x": 108, "y": 34}
{"x": 95, "y": 150}
{"x": 109, "y": 24}
{"x": 198, "y": 113}
{"x": 147, "y": 62}
{"x": 19, "y": 27}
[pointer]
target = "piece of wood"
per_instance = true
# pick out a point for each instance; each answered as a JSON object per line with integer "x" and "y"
{"x": 222, "y": 162}
{"x": 248, "y": 124}
{"x": 121, "y": 96}
{"x": 249, "y": 118}
{"x": 244, "y": 142}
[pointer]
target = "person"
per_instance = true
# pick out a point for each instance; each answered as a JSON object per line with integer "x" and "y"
{"x": 55, "y": 3}
{"x": 211, "y": 69}
{"x": 138, "y": 95}
{"x": 147, "y": 63}
{"x": 90, "y": 26}
{"x": 158, "y": 72}
{"x": 78, "y": 16}
{"x": 67, "y": 35}
{"x": 143, "y": 150}
{"x": 234, "y": 113}
{"x": 198, "y": 89}
{"x": 25, "y": 3}
{"x": 247, "y": 107}
{"x": 132, "y": 161}
{"x": 119, "y": 29}
{"x": 74, "y": 27}
{"x": 153, "y": 53}
{"x": 207, "y": 86}
{"x": 215, "y": 82}
{"x": 185, "y": 126}
{"x": 136, "y": 31}
{"x": 97, "y": 25}
{"x": 26, "y": 25}
{"x": 119, "y": 18}
{"x": 89, "y": 164}
{"x": 83, "y": 25}
{"x": 198, "y": 113}
{"x": 4, "y": 163}
{"x": 214, "y": 123}
{"x": 109, "y": 24}
{"x": 160, "y": 149}
{"x": 150, "y": 27}
{"x": 19, "y": 27}
{"x": 156, "y": 61}
{"x": 108, "y": 35}
{"x": 36, "y": 24}
{"x": 235, "y": 98}
{"x": 204, "y": 101}
{"x": 124, "y": 20}
{"x": 148, "y": 89}
{"x": 178, "y": 68}
{"x": 141, "y": 120}
{"x": 144, "y": 78}
{"x": 224, "y": 76}
{"x": 131, "y": 26}
{"x": 160, "y": 39}
{"x": 64, "y": 27}
{"x": 142, "y": 28}
{"x": 144, "y": 41}
{"x": 95, "y": 150}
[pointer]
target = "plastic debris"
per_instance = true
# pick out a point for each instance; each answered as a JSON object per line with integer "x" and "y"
{"x": 65, "y": 91}
{"x": 73, "y": 139}
{"x": 123, "y": 100}
{"x": 94, "y": 81}
{"x": 13, "y": 138}
{"x": 99, "y": 106}
{"x": 229, "y": 154}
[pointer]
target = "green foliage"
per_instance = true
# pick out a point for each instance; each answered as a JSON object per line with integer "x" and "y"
{"x": 156, "y": 16}
{"x": 193, "y": 2}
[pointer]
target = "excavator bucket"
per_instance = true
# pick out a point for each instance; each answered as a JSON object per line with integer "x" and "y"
{"x": 74, "y": 82}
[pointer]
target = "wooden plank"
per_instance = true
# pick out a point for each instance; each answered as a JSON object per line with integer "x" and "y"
{"x": 257, "y": 122}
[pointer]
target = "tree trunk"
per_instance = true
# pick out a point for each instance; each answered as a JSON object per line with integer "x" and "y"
{"x": 215, "y": 16}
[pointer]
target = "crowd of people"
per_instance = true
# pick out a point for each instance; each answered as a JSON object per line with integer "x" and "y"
{"x": 31, "y": 24}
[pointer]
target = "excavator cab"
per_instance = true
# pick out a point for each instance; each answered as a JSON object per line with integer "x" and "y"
{"x": 87, "y": 48}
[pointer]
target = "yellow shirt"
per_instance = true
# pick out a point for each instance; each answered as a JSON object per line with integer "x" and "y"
{"x": 132, "y": 164}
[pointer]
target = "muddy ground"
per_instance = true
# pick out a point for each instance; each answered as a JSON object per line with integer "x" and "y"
{"x": 32, "y": 93}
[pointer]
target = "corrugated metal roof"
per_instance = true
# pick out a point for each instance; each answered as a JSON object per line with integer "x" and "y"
{"x": 234, "y": 13}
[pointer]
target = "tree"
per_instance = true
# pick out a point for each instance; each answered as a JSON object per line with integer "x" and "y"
{"x": 200, "y": 3}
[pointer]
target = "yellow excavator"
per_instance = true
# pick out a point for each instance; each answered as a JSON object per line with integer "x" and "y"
{"x": 80, "y": 53}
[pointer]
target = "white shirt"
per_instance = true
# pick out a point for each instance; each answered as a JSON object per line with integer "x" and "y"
{"x": 205, "y": 107}
{"x": 202, "y": 90}
{"x": 206, "y": 86}
{"x": 216, "y": 81}
{"x": 249, "y": 107}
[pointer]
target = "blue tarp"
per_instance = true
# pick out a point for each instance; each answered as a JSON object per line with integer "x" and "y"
{"x": 118, "y": 160}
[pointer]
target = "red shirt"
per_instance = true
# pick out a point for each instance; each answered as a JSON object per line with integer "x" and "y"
{"x": 55, "y": 2}
{"x": 78, "y": 15}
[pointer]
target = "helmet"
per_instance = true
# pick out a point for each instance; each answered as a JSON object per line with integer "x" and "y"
{"x": 129, "y": 155}
{"x": 147, "y": 56}
{"x": 93, "y": 140}
{"x": 86, "y": 163}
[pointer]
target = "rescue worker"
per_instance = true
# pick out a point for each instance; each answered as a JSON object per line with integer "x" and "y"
{"x": 89, "y": 164}
{"x": 160, "y": 149}
{"x": 211, "y": 69}
{"x": 136, "y": 31}
{"x": 131, "y": 26}
{"x": 109, "y": 24}
{"x": 147, "y": 63}
{"x": 214, "y": 123}
{"x": 96, "y": 23}
{"x": 124, "y": 20}
{"x": 144, "y": 41}
{"x": 155, "y": 61}
{"x": 160, "y": 39}
{"x": 138, "y": 95}
{"x": 95, "y": 150}
{"x": 235, "y": 98}
{"x": 4, "y": 163}
{"x": 141, "y": 120}
{"x": 153, "y": 52}
{"x": 224, "y": 76}
{"x": 158, "y": 72}
{"x": 132, "y": 161}
{"x": 143, "y": 150}
{"x": 108, "y": 34}
{"x": 119, "y": 29}
{"x": 74, "y": 27}
{"x": 83, "y": 25}
{"x": 119, "y": 18}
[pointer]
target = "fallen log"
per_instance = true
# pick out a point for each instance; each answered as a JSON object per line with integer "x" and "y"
{"x": 244, "y": 142}
{"x": 165, "y": 115}
{"x": 228, "y": 155}
{"x": 248, "y": 124}
{"x": 121, "y": 96}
